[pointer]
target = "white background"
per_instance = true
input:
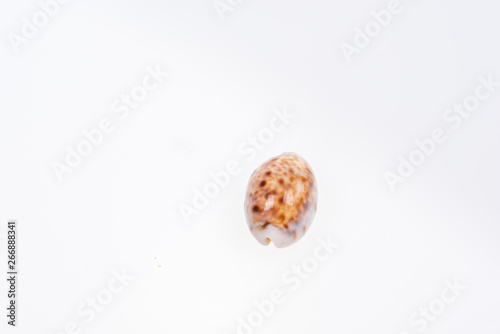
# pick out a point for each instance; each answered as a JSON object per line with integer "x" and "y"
{"x": 119, "y": 209}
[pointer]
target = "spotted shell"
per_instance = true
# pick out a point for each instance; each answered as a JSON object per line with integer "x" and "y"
{"x": 281, "y": 200}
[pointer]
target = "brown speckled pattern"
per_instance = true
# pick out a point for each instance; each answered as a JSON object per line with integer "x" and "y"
{"x": 282, "y": 192}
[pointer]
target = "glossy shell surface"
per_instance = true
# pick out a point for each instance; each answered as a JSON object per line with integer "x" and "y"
{"x": 281, "y": 200}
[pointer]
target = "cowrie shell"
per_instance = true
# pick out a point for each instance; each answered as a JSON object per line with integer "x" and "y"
{"x": 281, "y": 200}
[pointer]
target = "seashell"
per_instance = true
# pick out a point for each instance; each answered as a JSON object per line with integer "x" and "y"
{"x": 281, "y": 200}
